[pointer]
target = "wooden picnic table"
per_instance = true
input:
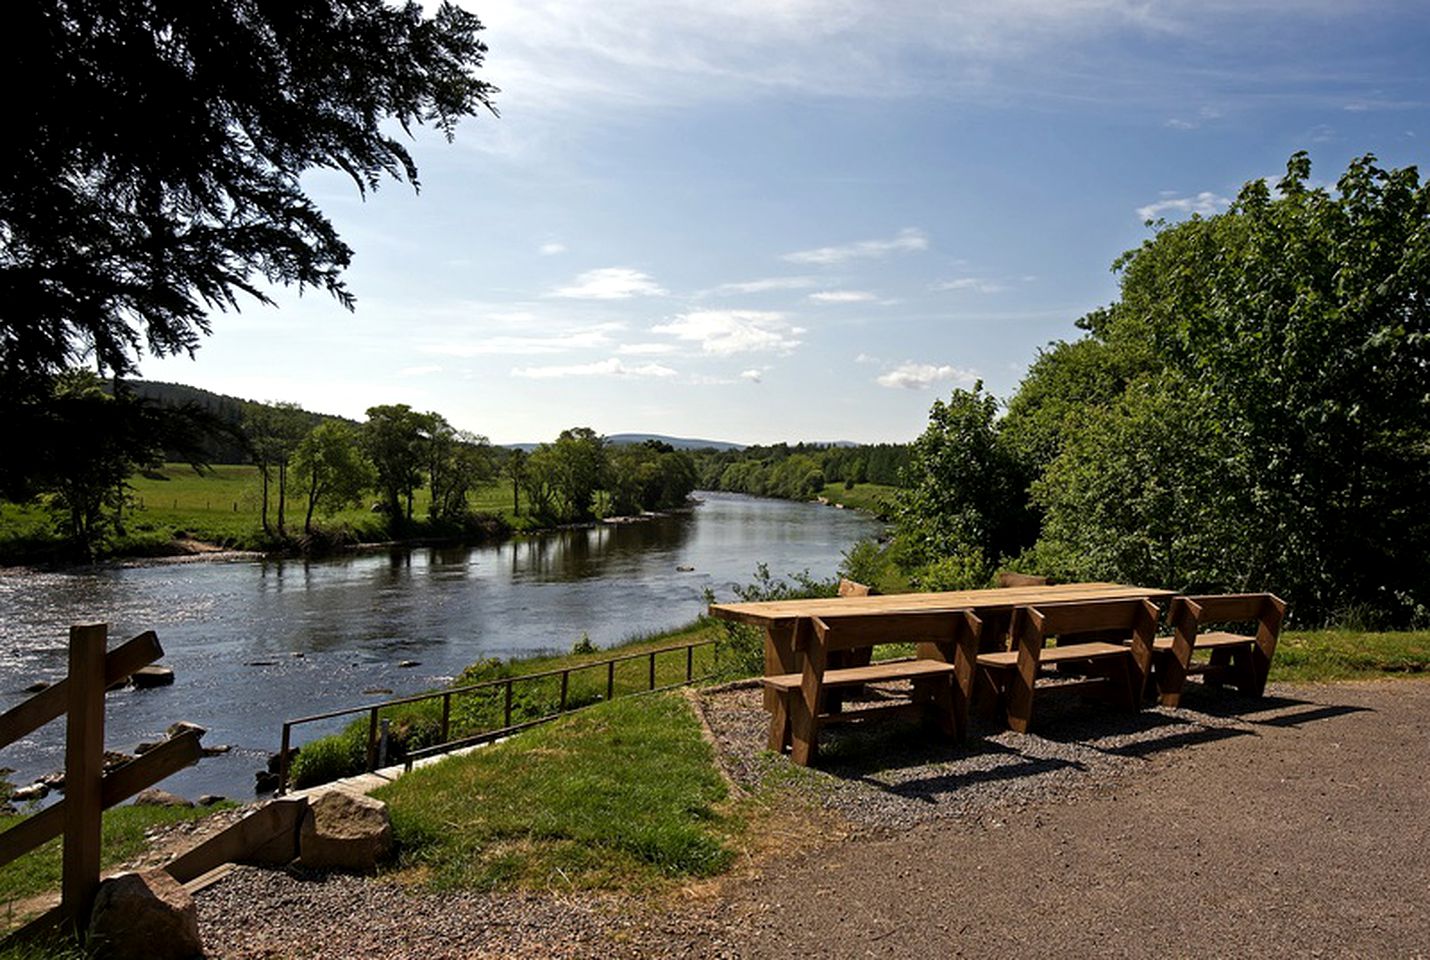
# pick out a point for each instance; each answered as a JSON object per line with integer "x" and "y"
{"x": 994, "y": 606}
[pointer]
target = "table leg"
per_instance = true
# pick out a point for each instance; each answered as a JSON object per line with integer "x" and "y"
{"x": 780, "y": 656}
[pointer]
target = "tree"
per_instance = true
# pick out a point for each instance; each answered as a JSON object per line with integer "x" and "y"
{"x": 330, "y": 469}
{"x": 456, "y": 461}
{"x": 962, "y": 501}
{"x": 92, "y": 442}
{"x": 392, "y": 439}
{"x": 578, "y": 461}
{"x": 514, "y": 469}
{"x": 152, "y": 170}
{"x": 273, "y": 432}
{"x": 1274, "y": 357}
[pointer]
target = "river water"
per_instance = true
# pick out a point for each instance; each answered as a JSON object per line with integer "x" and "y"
{"x": 253, "y": 643}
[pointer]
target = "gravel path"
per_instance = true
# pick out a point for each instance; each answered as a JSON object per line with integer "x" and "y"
{"x": 1293, "y": 827}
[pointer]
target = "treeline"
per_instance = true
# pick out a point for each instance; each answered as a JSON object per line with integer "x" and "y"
{"x": 800, "y": 472}
{"x": 1251, "y": 414}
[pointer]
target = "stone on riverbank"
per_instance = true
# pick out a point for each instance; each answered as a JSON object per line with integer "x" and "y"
{"x": 344, "y": 831}
{"x": 147, "y": 677}
{"x": 145, "y": 916}
{"x": 154, "y": 797}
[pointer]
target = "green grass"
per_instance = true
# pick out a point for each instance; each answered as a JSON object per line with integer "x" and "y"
{"x": 624, "y": 795}
{"x": 223, "y": 505}
{"x": 413, "y": 726}
{"x": 53, "y": 947}
{"x": 1318, "y": 656}
{"x": 123, "y": 839}
{"x": 869, "y": 497}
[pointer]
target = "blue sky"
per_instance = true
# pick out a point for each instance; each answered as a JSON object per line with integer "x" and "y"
{"x": 762, "y": 221}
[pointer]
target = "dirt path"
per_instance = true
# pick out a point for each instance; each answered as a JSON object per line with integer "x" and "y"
{"x": 1306, "y": 835}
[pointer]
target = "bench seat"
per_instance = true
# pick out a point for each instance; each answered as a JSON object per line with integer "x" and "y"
{"x": 879, "y": 672}
{"x": 1207, "y": 641}
{"x": 1073, "y": 651}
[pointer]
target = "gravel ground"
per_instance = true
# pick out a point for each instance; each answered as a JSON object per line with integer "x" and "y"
{"x": 1291, "y": 827}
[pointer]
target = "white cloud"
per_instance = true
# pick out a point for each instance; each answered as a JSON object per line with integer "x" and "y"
{"x": 724, "y": 332}
{"x": 909, "y": 240}
{"x": 419, "y": 371}
{"x": 763, "y": 286}
{"x": 866, "y": 358}
{"x": 842, "y": 296}
{"x": 754, "y": 376}
{"x": 610, "y": 283}
{"x": 921, "y": 376}
{"x": 551, "y": 249}
{"x": 612, "y": 367}
{"x": 976, "y": 284}
{"x": 645, "y": 349}
{"x": 1205, "y": 203}
{"x": 597, "y": 336}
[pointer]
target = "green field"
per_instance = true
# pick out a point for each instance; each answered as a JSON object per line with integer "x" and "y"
{"x": 222, "y": 506}
{"x": 869, "y": 497}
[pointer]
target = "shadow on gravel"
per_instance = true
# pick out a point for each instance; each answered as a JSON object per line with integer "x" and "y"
{"x": 1187, "y": 738}
{"x": 935, "y": 789}
{"x": 1227, "y": 704}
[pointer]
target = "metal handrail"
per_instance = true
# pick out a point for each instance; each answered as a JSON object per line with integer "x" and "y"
{"x": 507, "y": 727}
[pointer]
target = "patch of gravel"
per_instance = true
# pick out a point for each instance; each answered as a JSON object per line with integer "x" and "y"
{"x": 887, "y": 776}
{"x": 254, "y": 913}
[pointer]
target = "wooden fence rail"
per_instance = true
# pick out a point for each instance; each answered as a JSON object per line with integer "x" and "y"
{"x": 507, "y": 685}
{"x": 88, "y": 790}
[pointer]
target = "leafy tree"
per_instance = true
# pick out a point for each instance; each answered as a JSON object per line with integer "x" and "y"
{"x": 330, "y": 468}
{"x": 514, "y": 469}
{"x": 153, "y": 172}
{"x": 392, "y": 439}
{"x": 1279, "y": 436}
{"x": 962, "y": 503}
{"x": 456, "y": 461}
{"x": 577, "y": 464}
{"x": 273, "y": 432}
{"x": 92, "y": 442}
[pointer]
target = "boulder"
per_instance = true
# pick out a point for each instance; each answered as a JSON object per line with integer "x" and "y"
{"x": 184, "y": 726}
{"x": 265, "y": 782}
{"x": 217, "y": 749}
{"x": 154, "y": 797}
{"x": 38, "y": 686}
{"x": 147, "y": 677}
{"x": 38, "y": 790}
{"x": 209, "y": 799}
{"x": 145, "y": 916}
{"x": 344, "y": 831}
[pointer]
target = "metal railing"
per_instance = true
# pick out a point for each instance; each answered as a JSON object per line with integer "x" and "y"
{"x": 507, "y": 685}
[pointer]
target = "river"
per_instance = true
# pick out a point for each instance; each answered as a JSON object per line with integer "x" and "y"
{"x": 255, "y": 642}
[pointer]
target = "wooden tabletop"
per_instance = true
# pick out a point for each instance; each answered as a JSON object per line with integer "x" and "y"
{"x": 769, "y": 612}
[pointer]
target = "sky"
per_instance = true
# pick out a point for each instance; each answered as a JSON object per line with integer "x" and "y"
{"x": 765, "y": 220}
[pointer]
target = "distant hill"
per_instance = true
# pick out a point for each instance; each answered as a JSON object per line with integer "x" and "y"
{"x": 627, "y": 439}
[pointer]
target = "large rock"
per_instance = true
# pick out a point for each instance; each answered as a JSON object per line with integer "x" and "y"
{"x": 145, "y": 916}
{"x": 344, "y": 831}
{"x": 154, "y": 797}
{"x": 148, "y": 677}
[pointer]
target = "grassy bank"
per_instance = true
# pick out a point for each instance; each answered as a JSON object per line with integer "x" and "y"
{"x": 869, "y": 497}
{"x": 123, "y": 839}
{"x": 624, "y": 795}
{"x": 1319, "y": 656}
{"x": 413, "y": 726}
{"x": 222, "y": 506}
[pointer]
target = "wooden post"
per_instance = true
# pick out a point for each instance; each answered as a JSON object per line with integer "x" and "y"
{"x": 565, "y": 682}
{"x": 652, "y": 669}
{"x": 506, "y": 714}
{"x": 610, "y": 679}
{"x": 84, "y": 771}
{"x": 283, "y": 759}
{"x": 446, "y": 716}
{"x": 372, "y": 740}
{"x": 690, "y": 663}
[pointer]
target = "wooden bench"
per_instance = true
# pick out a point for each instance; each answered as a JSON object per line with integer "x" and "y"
{"x": 1117, "y": 670}
{"x": 941, "y": 681}
{"x": 1240, "y": 660}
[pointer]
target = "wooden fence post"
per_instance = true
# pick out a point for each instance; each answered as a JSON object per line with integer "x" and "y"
{"x": 84, "y": 770}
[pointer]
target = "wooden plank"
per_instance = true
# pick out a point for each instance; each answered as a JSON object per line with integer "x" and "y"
{"x": 880, "y": 671}
{"x": 50, "y": 703}
{"x": 866, "y": 631}
{"x": 143, "y": 771}
{"x": 1005, "y": 598}
{"x": 84, "y": 769}
{"x": 1075, "y": 651}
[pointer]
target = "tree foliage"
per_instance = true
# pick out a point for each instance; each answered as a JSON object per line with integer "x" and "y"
{"x": 1252, "y": 413}
{"x": 151, "y": 170}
